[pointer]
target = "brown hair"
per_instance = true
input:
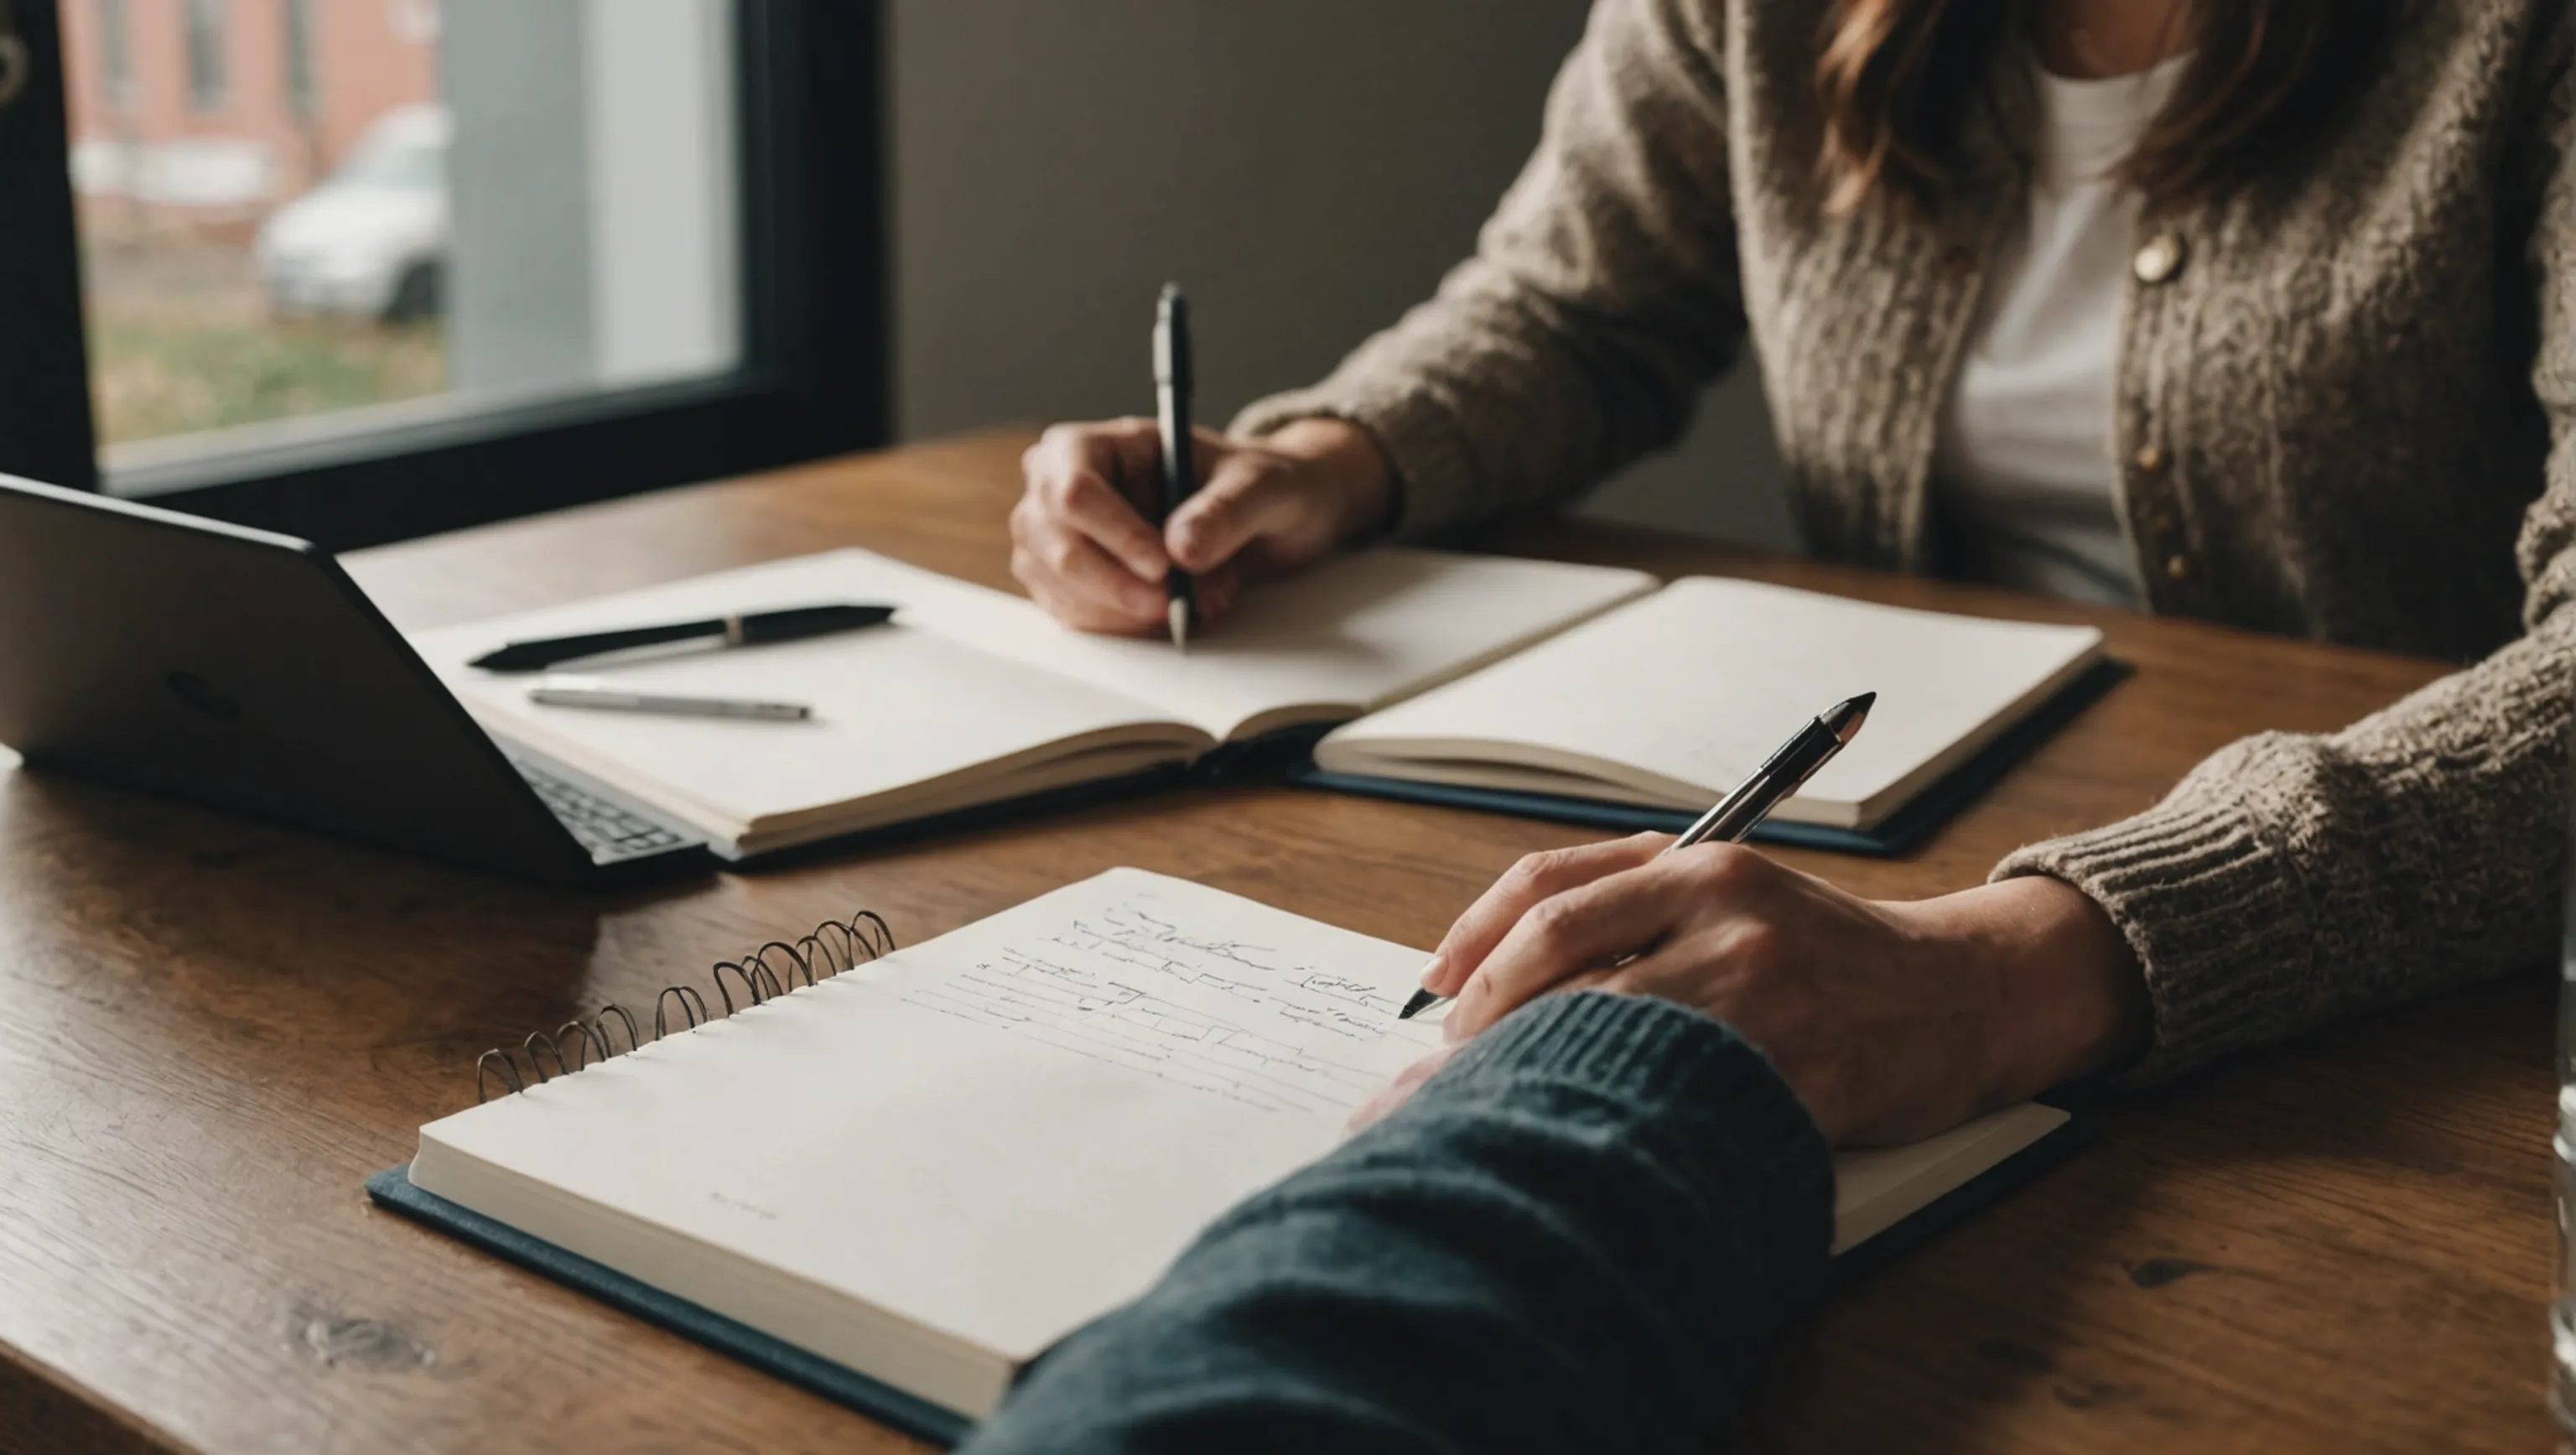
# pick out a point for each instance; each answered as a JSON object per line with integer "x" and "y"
{"x": 1896, "y": 76}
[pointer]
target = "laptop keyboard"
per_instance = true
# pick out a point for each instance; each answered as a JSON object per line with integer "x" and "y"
{"x": 608, "y": 831}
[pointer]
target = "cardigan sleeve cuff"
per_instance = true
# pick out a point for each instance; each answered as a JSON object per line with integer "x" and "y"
{"x": 2211, "y": 909}
{"x": 1434, "y": 470}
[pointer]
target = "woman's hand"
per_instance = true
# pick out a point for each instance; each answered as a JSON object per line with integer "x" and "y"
{"x": 1082, "y": 544}
{"x": 1892, "y": 1021}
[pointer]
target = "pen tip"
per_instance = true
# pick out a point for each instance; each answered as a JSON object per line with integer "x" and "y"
{"x": 1177, "y": 613}
{"x": 1414, "y": 1007}
{"x": 1847, "y": 716}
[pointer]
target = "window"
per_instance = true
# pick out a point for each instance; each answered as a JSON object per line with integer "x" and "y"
{"x": 115, "y": 55}
{"x": 461, "y": 260}
{"x": 303, "y": 91}
{"x": 206, "y": 59}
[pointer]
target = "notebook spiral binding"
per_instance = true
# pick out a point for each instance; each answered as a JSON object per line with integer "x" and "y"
{"x": 834, "y": 946}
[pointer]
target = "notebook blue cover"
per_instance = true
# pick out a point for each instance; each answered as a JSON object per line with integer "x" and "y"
{"x": 393, "y": 1189}
{"x": 1899, "y": 833}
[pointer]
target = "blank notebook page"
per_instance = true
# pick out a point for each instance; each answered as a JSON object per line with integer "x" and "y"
{"x": 1700, "y": 682}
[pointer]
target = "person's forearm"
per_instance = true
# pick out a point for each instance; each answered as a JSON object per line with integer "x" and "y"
{"x": 1577, "y": 1237}
{"x": 2293, "y": 879}
{"x": 2065, "y": 995}
{"x": 1364, "y": 488}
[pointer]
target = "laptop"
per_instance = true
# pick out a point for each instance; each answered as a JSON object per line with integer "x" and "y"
{"x": 245, "y": 670}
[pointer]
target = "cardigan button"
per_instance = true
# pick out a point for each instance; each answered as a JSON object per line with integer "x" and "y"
{"x": 2160, "y": 259}
{"x": 2151, "y": 459}
{"x": 2178, "y": 566}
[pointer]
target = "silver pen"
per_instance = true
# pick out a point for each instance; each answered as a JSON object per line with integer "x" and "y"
{"x": 1735, "y": 815}
{"x": 588, "y": 692}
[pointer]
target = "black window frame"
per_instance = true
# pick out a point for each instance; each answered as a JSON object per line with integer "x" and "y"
{"x": 812, "y": 380}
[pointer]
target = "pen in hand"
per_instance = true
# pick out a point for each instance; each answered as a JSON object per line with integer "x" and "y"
{"x": 1739, "y": 812}
{"x": 1172, "y": 417}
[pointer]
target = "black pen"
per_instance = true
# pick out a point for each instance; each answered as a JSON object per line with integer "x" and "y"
{"x": 1735, "y": 815}
{"x": 741, "y": 630}
{"x": 1172, "y": 416}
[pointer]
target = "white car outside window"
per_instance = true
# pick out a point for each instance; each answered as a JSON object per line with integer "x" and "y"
{"x": 371, "y": 240}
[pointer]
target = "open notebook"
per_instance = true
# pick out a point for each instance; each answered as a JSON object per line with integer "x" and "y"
{"x": 901, "y": 1184}
{"x": 973, "y": 696}
{"x": 1670, "y": 700}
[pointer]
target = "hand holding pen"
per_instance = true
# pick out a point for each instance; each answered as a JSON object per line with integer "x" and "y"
{"x": 1086, "y": 540}
{"x": 1729, "y": 820}
{"x": 1890, "y": 1019}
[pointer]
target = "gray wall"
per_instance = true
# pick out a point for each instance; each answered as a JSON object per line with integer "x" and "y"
{"x": 1307, "y": 168}
{"x": 518, "y": 179}
{"x": 592, "y": 245}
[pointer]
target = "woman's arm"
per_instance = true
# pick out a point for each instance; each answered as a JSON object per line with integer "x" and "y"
{"x": 1576, "y": 1237}
{"x": 2287, "y": 881}
{"x": 2293, "y": 879}
{"x": 1603, "y": 293}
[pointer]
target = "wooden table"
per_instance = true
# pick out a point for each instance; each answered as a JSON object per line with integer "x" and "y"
{"x": 212, "y": 1029}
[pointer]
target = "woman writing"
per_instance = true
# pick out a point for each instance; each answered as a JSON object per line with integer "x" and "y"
{"x": 2260, "y": 311}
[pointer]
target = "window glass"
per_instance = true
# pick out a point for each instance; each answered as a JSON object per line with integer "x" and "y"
{"x": 303, "y": 93}
{"x": 318, "y": 218}
{"x": 115, "y": 56}
{"x": 207, "y": 64}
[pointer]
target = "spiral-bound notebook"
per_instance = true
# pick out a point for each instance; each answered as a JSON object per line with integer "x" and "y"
{"x": 961, "y": 1151}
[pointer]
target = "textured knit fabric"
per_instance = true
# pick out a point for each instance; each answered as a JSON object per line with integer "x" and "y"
{"x": 1577, "y": 1237}
{"x": 2346, "y": 411}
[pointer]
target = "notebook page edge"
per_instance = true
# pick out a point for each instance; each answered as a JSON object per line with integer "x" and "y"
{"x": 1924, "y": 1172}
{"x": 927, "y": 1361}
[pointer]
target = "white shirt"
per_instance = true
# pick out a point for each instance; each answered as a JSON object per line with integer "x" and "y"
{"x": 2027, "y": 481}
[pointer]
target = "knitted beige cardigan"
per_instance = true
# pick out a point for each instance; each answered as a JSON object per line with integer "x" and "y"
{"x": 2346, "y": 410}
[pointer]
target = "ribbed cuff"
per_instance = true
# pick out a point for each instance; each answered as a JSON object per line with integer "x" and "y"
{"x": 2213, "y": 913}
{"x": 1708, "y": 1100}
{"x": 1434, "y": 482}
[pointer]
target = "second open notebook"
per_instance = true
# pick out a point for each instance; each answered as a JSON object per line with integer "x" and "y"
{"x": 1525, "y": 685}
{"x": 901, "y": 1184}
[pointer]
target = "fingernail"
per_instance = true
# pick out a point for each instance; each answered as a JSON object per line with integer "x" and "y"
{"x": 1432, "y": 968}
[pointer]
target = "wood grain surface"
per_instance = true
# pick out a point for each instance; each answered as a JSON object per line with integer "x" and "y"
{"x": 212, "y": 1029}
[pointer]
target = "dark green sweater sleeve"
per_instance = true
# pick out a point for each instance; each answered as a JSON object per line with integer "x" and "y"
{"x": 1577, "y": 1237}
